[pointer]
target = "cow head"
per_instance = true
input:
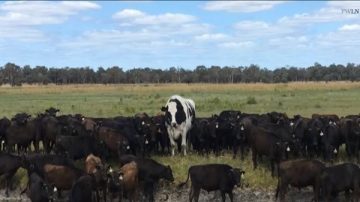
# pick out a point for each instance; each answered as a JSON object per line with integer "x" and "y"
{"x": 21, "y": 118}
{"x": 236, "y": 174}
{"x": 167, "y": 174}
{"x": 174, "y": 113}
{"x": 52, "y": 111}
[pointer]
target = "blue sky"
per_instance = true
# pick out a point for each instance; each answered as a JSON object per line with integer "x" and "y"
{"x": 161, "y": 34}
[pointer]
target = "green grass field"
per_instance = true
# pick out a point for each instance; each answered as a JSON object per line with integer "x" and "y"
{"x": 340, "y": 98}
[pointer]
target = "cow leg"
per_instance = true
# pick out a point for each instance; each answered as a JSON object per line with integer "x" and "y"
{"x": 235, "y": 149}
{"x": 254, "y": 155}
{"x": 104, "y": 193}
{"x": 196, "y": 194}
{"x": 183, "y": 141}
{"x": 223, "y": 196}
{"x": 173, "y": 145}
{"x": 231, "y": 196}
{"x": 283, "y": 189}
{"x": 97, "y": 195}
{"x": 278, "y": 188}
{"x": 191, "y": 194}
{"x": 272, "y": 165}
{"x": 8, "y": 178}
{"x": 242, "y": 151}
{"x": 36, "y": 146}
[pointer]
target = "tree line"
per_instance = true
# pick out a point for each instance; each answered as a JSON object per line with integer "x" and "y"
{"x": 14, "y": 75}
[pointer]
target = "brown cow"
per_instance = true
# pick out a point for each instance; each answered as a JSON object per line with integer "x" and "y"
{"x": 62, "y": 177}
{"x": 112, "y": 138}
{"x": 129, "y": 181}
{"x": 89, "y": 124}
{"x": 92, "y": 164}
{"x": 94, "y": 167}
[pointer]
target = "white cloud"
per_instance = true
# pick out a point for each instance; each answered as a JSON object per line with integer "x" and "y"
{"x": 24, "y": 16}
{"x": 352, "y": 27}
{"x": 146, "y": 32}
{"x": 241, "y": 6}
{"x": 128, "y": 13}
{"x": 251, "y": 30}
{"x": 211, "y": 37}
{"x": 344, "y": 4}
{"x": 244, "y": 44}
{"x": 332, "y": 12}
{"x": 136, "y": 17}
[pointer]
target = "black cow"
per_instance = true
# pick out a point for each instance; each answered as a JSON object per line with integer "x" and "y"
{"x": 22, "y": 132}
{"x": 299, "y": 132}
{"x": 200, "y": 135}
{"x": 159, "y": 130}
{"x": 350, "y": 131}
{"x": 4, "y": 124}
{"x": 77, "y": 147}
{"x": 331, "y": 140}
{"x": 81, "y": 191}
{"x": 339, "y": 178}
{"x": 298, "y": 173}
{"x": 38, "y": 161}
{"x": 225, "y": 123}
{"x": 21, "y": 118}
{"x": 9, "y": 164}
{"x": 240, "y": 140}
{"x": 213, "y": 177}
{"x": 313, "y": 144}
{"x": 52, "y": 111}
{"x": 263, "y": 142}
{"x": 38, "y": 190}
{"x": 50, "y": 128}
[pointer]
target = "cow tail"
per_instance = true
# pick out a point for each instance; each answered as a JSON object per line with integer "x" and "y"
{"x": 277, "y": 189}
{"x": 182, "y": 184}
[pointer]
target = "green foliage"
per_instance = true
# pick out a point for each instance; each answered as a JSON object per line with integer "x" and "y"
{"x": 251, "y": 100}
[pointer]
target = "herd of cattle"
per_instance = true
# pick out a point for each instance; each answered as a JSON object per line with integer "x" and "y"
{"x": 290, "y": 144}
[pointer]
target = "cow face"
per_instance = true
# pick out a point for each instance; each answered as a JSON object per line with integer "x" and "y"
{"x": 52, "y": 111}
{"x": 237, "y": 174}
{"x": 167, "y": 174}
{"x": 21, "y": 118}
{"x": 174, "y": 113}
{"x": 124, "y": 147}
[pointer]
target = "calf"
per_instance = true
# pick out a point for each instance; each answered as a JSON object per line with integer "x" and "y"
{"x": 213, "y": 177}
{"x": 129, "y": 180}
{"x": 298, "y": 173}
{"x": 342, "y": 177}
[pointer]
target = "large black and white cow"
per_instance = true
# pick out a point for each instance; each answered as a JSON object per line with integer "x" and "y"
{"x": 179, "y": 116}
